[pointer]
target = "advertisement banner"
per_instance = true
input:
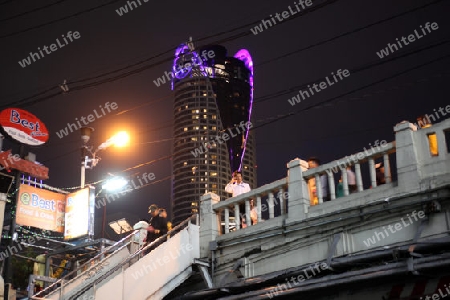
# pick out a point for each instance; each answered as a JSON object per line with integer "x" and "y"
{"x": 40, "y": 208}
{"x": 23, "y": 126}
{"x": 79, "y": 217}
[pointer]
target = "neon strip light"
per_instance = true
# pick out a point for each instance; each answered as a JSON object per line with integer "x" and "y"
{"x": 245, "y": 56}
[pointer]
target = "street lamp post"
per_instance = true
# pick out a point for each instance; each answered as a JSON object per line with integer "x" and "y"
{"x": 85, "y": 136}
{"x": 120, "y": 139}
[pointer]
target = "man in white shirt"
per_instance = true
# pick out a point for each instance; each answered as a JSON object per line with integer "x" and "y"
{"x": 236, "y": 186}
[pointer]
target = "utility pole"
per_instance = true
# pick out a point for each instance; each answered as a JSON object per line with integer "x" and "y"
{"x": 12, "y": 229}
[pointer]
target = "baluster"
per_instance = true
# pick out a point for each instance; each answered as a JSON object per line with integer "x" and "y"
{"x": 359, "y": 183}
{"x": 227, "y": 220}
{"x": 373, "y": 177}
{"x": 258, "y": 208}
{"x": 237, "y": 217}
{"x": 387, "y": 168}
{"x": 247, "y": 213}
{"x": 319, "y": 188}
{"x": 282, "y": 202}
{"x": 344, "y": 180}
{"x": 331, "y": 185}
{"x": 271, "y": 206}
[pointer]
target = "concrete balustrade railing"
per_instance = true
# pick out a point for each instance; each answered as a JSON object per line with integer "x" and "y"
{"x": 274, "y": 192}
{"x": 415, "y": 166}
{"x": 355, "y": 160}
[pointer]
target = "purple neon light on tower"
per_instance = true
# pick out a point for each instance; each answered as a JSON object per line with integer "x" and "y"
{"x": 182, "y": 66}
{"x": 213, "y": 100}
{"x": 245, "y": 56}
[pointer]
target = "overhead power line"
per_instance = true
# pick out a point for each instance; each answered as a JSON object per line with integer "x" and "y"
{"x": 32, "y": 11}
{"x": 350, "y": 32}
{"x": 24, "y": 103}
{"x": 282, "y": 117}
{"x": 247, "y": 32}
{"x": 401, "y": 54}
{"x": 57, "y": 20}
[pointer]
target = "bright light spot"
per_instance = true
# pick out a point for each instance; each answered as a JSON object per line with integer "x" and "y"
{"x": 114, "y": 184}
{"x": 121, "y": 139}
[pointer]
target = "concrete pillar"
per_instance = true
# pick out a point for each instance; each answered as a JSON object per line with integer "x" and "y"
{"x": 408, "y": 162}
{"x": 210, "y": 222}
{"x": 298, "y": 201}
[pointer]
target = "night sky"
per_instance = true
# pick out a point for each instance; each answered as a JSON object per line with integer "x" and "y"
{"x": 117, "y": 58}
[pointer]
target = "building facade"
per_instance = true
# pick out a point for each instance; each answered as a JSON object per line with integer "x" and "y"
{"x": 212, "y": 111}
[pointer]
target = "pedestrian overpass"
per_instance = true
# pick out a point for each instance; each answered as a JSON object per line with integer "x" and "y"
{"x": 381, "y": 242}
{"x": 118, "y": 273}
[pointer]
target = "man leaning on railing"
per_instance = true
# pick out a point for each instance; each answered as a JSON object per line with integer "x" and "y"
{"x": 237, "y": 187}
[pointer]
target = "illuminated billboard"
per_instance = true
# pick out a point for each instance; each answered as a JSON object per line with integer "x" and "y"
{"x": 71, "y": 214}
{"x": 79, "y": 213}
{"x": 23, "y": 126}
{"x": 40, "y": 208}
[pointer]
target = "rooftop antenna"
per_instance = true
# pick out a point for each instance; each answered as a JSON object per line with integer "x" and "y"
{"x": 64, "y": 86}
{"x": 190, "y": 44}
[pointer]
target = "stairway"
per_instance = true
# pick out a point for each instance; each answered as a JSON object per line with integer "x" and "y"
{"x": 122, "y": 275}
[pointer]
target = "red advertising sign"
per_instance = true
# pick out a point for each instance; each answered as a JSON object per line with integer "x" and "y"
{"x": 40, "y": 208}
{"x": 9, "y": 161}
{"x": 23, "y": 126}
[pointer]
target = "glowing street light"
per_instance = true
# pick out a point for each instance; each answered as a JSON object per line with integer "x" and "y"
{"x": 114, "y": 184}
{"x": 120, "y": 139}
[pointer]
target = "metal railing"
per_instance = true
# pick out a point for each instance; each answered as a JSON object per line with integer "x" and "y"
{"x": 87, "y": 266}
{"x": 131, "y": 259}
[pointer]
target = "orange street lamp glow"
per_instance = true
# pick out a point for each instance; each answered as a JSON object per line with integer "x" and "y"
{"x": 121, "y": 139}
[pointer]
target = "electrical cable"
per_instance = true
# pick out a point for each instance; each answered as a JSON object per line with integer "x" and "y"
{"x": 411, "y": 83}
{"x": 32, "y": 11}
{"x": 120, "y": 76}
{"x": 57, "y": 20}
{"x": 350, "y": 32}
{"x": 162, "y": 53}
{"x": 357, "y": 69}
{"x": 352, "y": 91}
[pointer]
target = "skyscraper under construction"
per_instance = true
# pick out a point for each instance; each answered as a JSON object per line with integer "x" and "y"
{"x": 212, "y": 108}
